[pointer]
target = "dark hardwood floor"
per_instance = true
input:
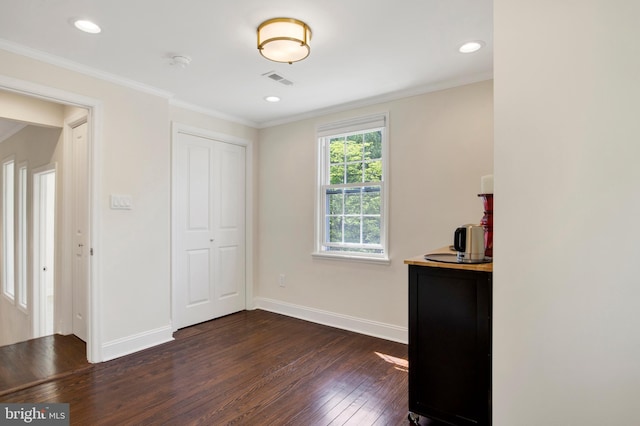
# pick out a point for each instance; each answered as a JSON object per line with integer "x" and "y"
{"x": 35, "y": 361}
{"x": 249, "y": 368}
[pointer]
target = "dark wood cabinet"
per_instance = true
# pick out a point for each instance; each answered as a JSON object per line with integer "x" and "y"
{"x": 450, "y": 344}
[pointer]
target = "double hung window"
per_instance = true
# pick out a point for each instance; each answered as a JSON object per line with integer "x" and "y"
{"x": 352, "y": 190}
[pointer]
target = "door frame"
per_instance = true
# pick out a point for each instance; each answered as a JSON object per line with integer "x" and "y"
{"x": 179, "y": 128}
{"x": 95, "y": 119}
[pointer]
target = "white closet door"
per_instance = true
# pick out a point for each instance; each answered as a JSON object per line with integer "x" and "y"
{"x": 209, "y": 249}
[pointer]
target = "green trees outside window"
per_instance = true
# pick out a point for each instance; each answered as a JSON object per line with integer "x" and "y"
{"x": 353, "y": 196}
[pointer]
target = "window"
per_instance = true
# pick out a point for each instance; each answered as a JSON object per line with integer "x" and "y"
{"x": 8, "y": 242}
{"x": 352, "y": 190}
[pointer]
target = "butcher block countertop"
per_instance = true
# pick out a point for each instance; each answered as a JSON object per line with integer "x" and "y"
{"x": 421, "y": 261}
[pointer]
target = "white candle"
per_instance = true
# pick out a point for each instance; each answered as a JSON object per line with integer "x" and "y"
{"x": 486, "y": 184}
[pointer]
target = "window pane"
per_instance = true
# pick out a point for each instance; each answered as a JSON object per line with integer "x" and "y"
{"x": 336, "y": 150}
{"x": 335, "y": 229}
{"x": 334, "y": 201}
{"x": 337, "y": 174}
{"x": 352, "y": 229}
{"x": 354, "y": 148}
{"x": 371, "y": 230}
{"x": 354, "y": 173}
{"x": 371, "y": 200}
{"x": 373, "y": 145}
{"x": 352, "y": 201}
{"x": 373, "y": 171}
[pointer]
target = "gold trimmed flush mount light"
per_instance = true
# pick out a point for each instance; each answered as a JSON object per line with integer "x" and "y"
{"x": 284, "y": 40}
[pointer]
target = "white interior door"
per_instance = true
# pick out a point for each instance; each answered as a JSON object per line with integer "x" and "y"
{"x": 44, "y": 250}
{"x": 209, "y": 229}
{"x": 80, "y": 271}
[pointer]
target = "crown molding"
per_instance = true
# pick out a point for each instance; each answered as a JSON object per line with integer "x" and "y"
{"x": 211, "y": 113}
{"x": 388, "y": 97}
{"x": 112, "y": 78}
{"x": 82, "y": 69}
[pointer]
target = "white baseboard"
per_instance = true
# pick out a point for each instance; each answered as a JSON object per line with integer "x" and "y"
{"x": 345, "y": 322}
{"x": 137, "y": 342}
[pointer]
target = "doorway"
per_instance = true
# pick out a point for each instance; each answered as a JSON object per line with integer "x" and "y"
{"x": 75, "y": 108}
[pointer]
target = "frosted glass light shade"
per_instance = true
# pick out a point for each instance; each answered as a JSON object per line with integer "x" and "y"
{"x": 284, "y": 40}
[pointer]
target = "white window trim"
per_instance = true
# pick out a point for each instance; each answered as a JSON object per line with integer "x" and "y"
{"x": 22, "y": 274}
{"x": 346, "y": 126}
{"x": 6, "y": 286}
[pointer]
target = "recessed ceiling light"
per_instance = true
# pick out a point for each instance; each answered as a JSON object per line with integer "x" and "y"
{"x": 87, "y": 26}
{"x": 272, "y": 99}
{"x": 471, "y": 46}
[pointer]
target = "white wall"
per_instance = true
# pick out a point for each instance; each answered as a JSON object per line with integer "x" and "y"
{"x": 440, "y": 144}
{"x": 566, "y": 283}
{"x": 30, "y": 110}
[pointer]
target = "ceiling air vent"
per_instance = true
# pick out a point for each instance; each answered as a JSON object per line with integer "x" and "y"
{"x": 278, "y": 78}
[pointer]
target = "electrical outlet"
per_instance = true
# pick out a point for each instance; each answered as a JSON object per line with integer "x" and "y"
{"x": 281, "y": 280}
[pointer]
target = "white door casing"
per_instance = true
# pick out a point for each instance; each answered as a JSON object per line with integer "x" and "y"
{"x": 209, "y": 229}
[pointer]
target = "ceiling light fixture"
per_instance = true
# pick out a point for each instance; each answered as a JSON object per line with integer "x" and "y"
{"x": 272, "y": 99}
{"x": 471, "y": 46}
{"x": 87, "y": 26}
{"x": 284, "y": 40}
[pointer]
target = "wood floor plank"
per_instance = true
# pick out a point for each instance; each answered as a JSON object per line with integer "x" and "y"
{"x": 38, "y": 360}
{"x": 253, "y": 367}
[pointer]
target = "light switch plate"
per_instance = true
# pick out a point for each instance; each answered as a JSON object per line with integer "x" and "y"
{"x": 121, "y": 202}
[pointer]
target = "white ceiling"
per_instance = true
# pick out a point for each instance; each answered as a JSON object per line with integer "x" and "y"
{"x": 362, "y": 51}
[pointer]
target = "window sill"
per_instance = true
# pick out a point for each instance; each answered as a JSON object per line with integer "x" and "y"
{"x": 351, "y": 258}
